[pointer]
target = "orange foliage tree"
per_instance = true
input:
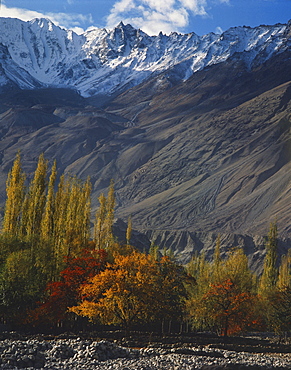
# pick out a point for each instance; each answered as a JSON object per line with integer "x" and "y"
{"x": 131, "y": 290}
{"x": 230, "y": 308}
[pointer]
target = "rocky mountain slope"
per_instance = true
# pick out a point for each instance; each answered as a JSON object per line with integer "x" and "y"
{"x": 195, "y": 131}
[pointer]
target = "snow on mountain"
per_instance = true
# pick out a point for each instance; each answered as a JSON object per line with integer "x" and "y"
{"x": 100, "y": 61}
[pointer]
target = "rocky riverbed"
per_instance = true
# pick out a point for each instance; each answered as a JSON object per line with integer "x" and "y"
{"x": 79, "y": 353}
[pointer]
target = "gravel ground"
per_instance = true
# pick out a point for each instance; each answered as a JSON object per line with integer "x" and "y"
{"x": 78, "y": 353}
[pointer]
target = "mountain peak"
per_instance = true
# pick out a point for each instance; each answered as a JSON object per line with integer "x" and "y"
{"x": 120, "y": 25}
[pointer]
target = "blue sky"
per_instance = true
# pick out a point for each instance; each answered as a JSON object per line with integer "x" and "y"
{"x": 152, "y": 16}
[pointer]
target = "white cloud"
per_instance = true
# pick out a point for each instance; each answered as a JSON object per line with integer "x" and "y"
{"x": 219, "y": 30}
{"x": 153, "y": 16}
{"x": 196, "y": 6}
{"x": 66, "y": 20}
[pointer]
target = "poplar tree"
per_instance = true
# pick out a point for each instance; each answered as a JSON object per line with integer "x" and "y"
{"x": 154, "y": 252}
{"x": 15, "y": 195}
{"x": 99, "y": 221}
{"x": 85, "y": 212}
{"x": 72, "y": 224}
{"x": 61, "y": 205}
{"x": 78, "y": 215}
{"x": 269, "y": 276}
{"x": 109, "y": 219}
{"x": 217, "y": 257}
{"x": 35, "y": 200}
{"x": 48, "y": 227}
{"x": 128, "y": 231}
{"x": 280, "y": 305}
{"x": 103, "y": 236}
{"x": 284, "y": 277}
{"x": 47, "y": 224}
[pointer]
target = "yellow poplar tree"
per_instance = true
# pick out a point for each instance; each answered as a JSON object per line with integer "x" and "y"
{"x": 35, "y": 200}
{"x": 284, "y": 278}
{"x": 128, "y": 231}
{"x": 47, "y": 224}
{"x": 103, "y": 236}
{"x": 78, "y": 215}
{"x": 60, "y": 213}
{"x": 15, "y": 196}
{"x": 71, "y": 218}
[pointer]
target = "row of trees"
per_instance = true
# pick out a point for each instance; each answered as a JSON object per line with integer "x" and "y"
{"x": 52, "y": 271}
{"x": 46, "y": 222}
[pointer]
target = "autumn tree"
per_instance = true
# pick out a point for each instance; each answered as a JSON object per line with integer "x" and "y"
{"x": 59, "y": 229}
{"x": 229, "y": 307}
{"x": 65, "y": 292}
{"x": 44, "y": 225}
{"x": 35, "y": 199}
{"x": 78, "y": 215}
{"x": 15, "y": 195}
{"x": 225, "y": 301}
{"x": 124, "y": 293}
{"x": 103, "y": 235}
{"x": 217, "y": 258}
{"x": 201, "y": 272}
{"x": 135, "y": 288}
{"x": 47, "y": 222}
{"x": 128, "y": 231}
{"x": 284, "y": 275}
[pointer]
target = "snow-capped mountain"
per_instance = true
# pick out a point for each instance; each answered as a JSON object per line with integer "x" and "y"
{"x": 40, "y": 54}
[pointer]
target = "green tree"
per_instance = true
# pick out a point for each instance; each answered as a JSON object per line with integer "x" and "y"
{"x": 170, "y": 305}
{"x": 280, "y": 313}
{"x": 268, "y": 280}
{"x": 22, "y": 283}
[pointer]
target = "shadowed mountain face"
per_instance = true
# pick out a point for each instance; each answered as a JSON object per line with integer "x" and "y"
{"x": 216, "y": 150}
{"x": 208, "y": 155}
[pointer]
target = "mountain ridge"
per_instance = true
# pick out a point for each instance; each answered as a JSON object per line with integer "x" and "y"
{"x": 39, "y": 54}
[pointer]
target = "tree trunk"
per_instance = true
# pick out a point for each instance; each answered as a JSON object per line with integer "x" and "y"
{"x": 225, "y": 332}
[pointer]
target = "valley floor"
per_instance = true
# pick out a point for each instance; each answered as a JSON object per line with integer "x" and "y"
{"x": 172, "y": 352}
